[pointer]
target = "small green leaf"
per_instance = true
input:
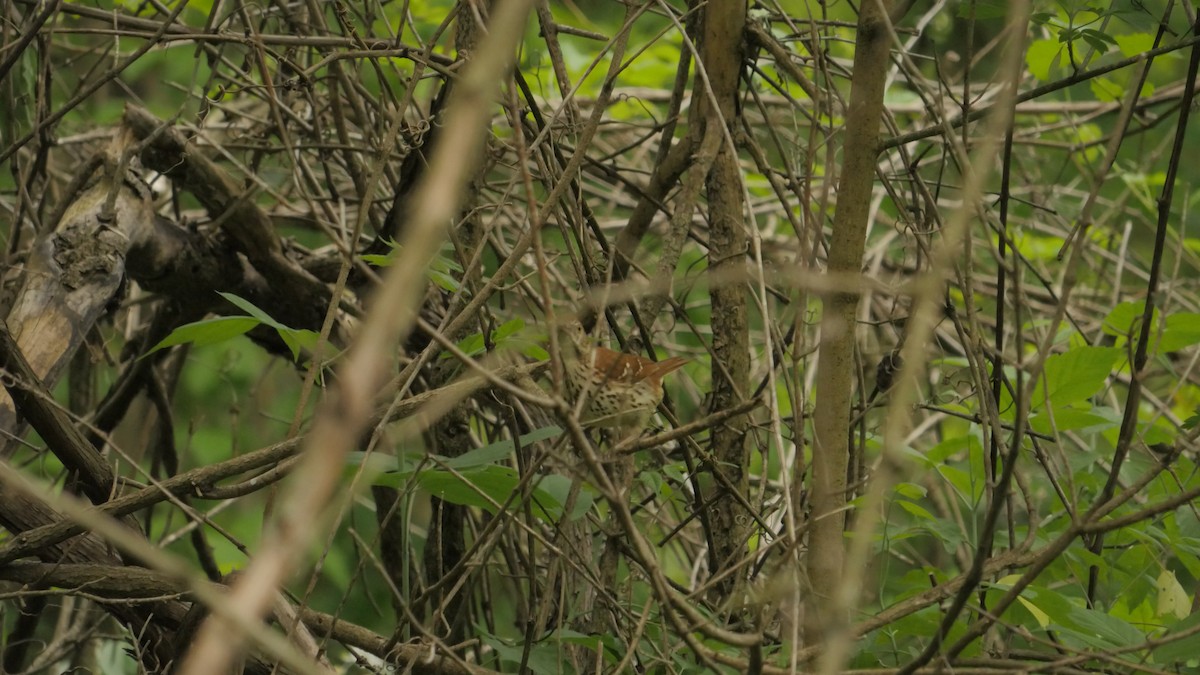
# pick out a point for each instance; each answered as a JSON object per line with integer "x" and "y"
{"x": 912, "y": 490}
{"x": 1183, "y": 654}
{"x": 1075, "y": 375}
{"x": 1182, "y": 330}
{"x": 1083, "y": 626}
{"x": 1125, "y": 319}
{"x": 1041, "y": 18}
{"x": 534, "y": 351}
{"x": 249, "y": 308}
{"x": 502, "y": 336}
{"x": 1071, "y": 419}
{"x": 558, "y": 489}
{"x": 1097, "y": 40}
{"x": 443, "y": 280}
{"x": 476, "y": 479}
{"x": 297, "y": 339}
{"x": 1105, "y": 89}
{"x": 376, "y": 461}
{"x": 969, "y": 488}
{"x": 1007, "y": 582}
{"x": 1132, "y": 44}
{"x": 576, "y": 638}
{"x": 491, "y": 486}
{"x": 543, "y": 657}
{"x": 441, "y": 268}
{"x": 948, "y": 448}
{"x": 404, "y": 466}
{"x": 915, "y": 509}
{"x": 485, "y": 488}
{"x": 508, "y": 328}
{"x": 1041, "y": 57}
{"x": 472, "y": 345}
{"x": 208, "y": 331}
{"x": 490, "y": 454}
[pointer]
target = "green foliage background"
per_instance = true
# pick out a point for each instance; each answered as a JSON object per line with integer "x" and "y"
{"x": 235, "y": 397}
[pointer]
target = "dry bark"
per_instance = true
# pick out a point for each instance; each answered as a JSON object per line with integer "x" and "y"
{"x": 721, "y": 49}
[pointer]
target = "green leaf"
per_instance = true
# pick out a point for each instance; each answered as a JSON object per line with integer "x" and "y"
{"x": 969, "y": 488}
{"x": 1184, "y": 652}
{"x": 1041, "y": 57}
{"x": 1097, "y": 40}
{"x": 485, "y": 488}
{"x": 444, "y": 281}
{"x": 440, "y": 271}
{"x": 376, "y": 461}
{"x": 491, "y": 486}
{"x": 915, "y": 509}
{"x": 472, "y": 345}
{"x": 544, "y": 657}
{"x": 1007, "y": 582}
{"x": 1066, "y": 35}
{"x": 1182, "y": 330}
{"x": 1075, "y": 375}
{"x": 444, "y": 263}
{"x": 1134, "y": 43}
{"x": 952, "y": 446}
{"x": 502, "y": 336}
{"x": 490, "y": 454}
{"x": 943, "y": 532}
{"x": 575, "y": 638}
{"x": 403, "y": 467}
{"x": 1125, "y": 319}
{"x": 1071, "y": 419}
{"x": 504, "y": 330}
{"x": 295, "y": 338}
{"x": 208, "y": 331}
{"x": 1041, "y": 18}
{"x": 1105, "y": 89}
{"x": 249, "y": 308}
{"x": 558, "y": 489}
{"x": 476, "y": 479}
{"x": 534, "y": 351}
{"x": 911, "y": 490}
{"x": 1085, "y": 626}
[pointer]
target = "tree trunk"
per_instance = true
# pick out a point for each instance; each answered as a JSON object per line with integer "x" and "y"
{"x": 826, "y": 555}
{"x": 721, "y": 60}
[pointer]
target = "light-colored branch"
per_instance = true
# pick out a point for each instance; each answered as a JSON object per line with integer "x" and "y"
{"x": 826, "y": 558}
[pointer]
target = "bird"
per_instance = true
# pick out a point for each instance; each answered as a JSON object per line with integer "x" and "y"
{"x": 620, "y": 390}
{"x": 885, "y": 372}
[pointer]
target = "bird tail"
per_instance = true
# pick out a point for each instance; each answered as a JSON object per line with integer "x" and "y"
{"x": 669, "y": 365}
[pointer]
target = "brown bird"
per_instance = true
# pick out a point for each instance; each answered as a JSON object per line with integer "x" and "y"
{"x": 621, "y": 390}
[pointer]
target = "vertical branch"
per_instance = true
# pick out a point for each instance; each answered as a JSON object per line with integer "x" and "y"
{"x": 836, "y": 353}
{"x": 721, "y": 60}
